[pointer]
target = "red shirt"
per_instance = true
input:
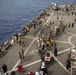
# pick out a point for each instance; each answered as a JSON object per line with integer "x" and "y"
{"x": 20, "y": 69}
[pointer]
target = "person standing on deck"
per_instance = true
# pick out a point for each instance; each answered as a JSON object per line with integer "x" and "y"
{"x": 43, "y": 37}
{"x": 19, "y": 40}
{"x": 72, "y": 25}
{"x": 55, "y": 45}
{"x": 22, "y": 52}
{"x": 44, "y": 23}
{"x": 49, "y": 37}
{"x": 20, "y": 56}
{"x": 43, "y": 45}
{"x": 4, "y": 67}
{"x": 34, "y": 25}
{"x": 68, "y": 65}
{"x": 22, "y": 42}
{"x": 52, "y": 41}
{"x": 38, "y": 41}
{"x": 16, "y": 37}
{"x": 43, "y": 68}
{"x": 69, "y": 24}
{"x": 55, "y": 51}
{"x": 57, "y": 18}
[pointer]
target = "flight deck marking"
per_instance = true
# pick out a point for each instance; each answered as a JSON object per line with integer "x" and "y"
{"x": 26, "y": 51}
{"x": 62, "y": 41}
{"x": 49, "y": 18}
{"x": 30, "y": 45}
{"x": 58, "y": 53}
{"x": 71, "y": 37}
{"x": 28, "y": 65}
{"x": 40, "y": 60}
{"x": 70, "y": 40}
{"x": 33, "y": 52}
{"x": 70, "y": 33}
{"x": 65, "y": 50}
{"x": 56, "y": 58}
{"x": 29, "y": 37}
{"x": 59, "y": 62}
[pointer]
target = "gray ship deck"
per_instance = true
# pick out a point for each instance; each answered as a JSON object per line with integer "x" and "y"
{"x": 32, "y": 62}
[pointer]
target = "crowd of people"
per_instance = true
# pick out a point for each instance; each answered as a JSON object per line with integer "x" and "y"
{"x": 43, "y": 44}
{"x": 19, "y": 38}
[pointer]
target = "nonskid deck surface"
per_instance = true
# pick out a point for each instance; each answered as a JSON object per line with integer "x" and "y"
{"x": 32, "y": 61}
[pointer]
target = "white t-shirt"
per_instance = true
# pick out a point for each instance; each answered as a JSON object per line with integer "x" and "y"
{"x": 37, "y": 73}
{"x": 43, "y": 65}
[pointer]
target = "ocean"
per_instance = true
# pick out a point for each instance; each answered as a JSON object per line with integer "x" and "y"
{"x": 15, "y": 14}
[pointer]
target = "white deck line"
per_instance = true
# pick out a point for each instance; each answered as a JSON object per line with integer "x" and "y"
{"x": 49, "y": 18}
{"x": 70, "y": 33}
{"x": 30, "y": 44}
{"x": 60, "y": 63}
{"x": 25, "y": 51}
{"x": 29, "y": 37}
{"x": 27, "y": 65}
{"x": 70, "y": 40}
{"x": 65, "y": 50}
{"x": 40, "y": 60}
{"x": 62, "y": 41}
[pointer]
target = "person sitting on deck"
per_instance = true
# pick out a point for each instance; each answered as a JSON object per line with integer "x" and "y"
{"x": 31, "y": 73}
{"x": 48, "y": 58}
{"x": 20, "y": 68}
{"x": 37, "y": 73}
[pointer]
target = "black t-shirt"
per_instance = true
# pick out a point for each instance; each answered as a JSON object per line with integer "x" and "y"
{"x": 4, "y": 67}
